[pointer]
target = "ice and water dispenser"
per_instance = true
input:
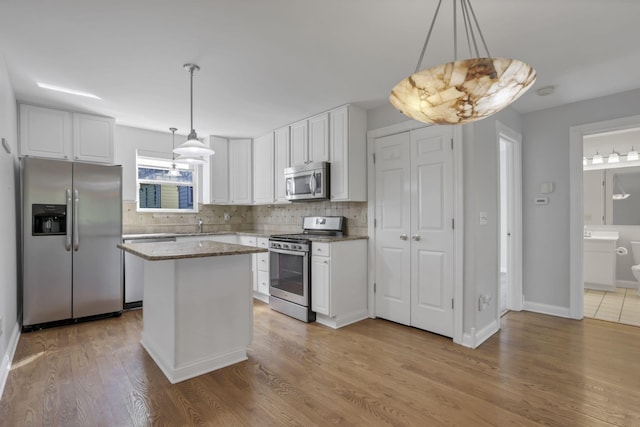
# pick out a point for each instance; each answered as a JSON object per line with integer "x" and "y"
{"x": 49, "y": 220}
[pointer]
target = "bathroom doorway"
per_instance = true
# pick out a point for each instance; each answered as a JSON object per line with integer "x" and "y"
{"x": 611, "y": 202}
{"x": 592, "y": 212}
{"x": 510, "y": 213}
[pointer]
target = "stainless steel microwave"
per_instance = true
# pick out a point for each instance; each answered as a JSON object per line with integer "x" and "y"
{"x": 307, "y": 182}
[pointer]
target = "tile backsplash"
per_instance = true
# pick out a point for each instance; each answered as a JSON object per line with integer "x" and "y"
{"x": 266, "y": 218}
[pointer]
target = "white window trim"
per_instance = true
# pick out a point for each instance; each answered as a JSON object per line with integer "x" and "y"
{"x": 161, "y": 163}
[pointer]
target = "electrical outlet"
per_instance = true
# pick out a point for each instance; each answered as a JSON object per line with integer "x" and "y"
{"x": 227, "y": 217}
{"x": 484, "y": 301}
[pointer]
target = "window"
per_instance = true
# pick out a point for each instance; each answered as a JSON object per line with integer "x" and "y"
{"x": 160, "y": 192}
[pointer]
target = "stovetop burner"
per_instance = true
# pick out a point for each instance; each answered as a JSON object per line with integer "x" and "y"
{"x": 315, "y": 226}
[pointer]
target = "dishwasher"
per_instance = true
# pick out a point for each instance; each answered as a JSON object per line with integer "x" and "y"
{"x": 134, "y": 272}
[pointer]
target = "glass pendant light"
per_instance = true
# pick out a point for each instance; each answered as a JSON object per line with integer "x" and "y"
{"x": 632, "y": 155}
{"x": 192, "y": 147}
{"x": 613, "y": 157}
{"x": 597, "y": 158}
{"x": 173, "y": 172}
{"x": 190, "y": 159}
{"x": 462, "y": 91}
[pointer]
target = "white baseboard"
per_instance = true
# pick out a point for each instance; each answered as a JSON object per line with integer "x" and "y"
{"x": 175, "y": 375}
{"x": 339, "y": 322}
{"x": 626, "y": 284}
{"x": 552, "y": 310}
{"x": 5, "y": 366}
{"x": 474, "y": 338}
{"x": 261, "y": 297}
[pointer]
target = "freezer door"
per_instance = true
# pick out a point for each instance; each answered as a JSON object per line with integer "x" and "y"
{"x": 97, "y": 261}
{"x": 46, "y": 265}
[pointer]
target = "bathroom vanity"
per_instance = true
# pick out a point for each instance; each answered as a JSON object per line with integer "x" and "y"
{"x": 600, "y": 260}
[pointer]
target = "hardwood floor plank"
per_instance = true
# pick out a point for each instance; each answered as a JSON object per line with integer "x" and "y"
{"x": 539, "y": 370}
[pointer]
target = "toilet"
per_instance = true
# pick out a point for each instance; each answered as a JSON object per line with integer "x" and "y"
{"x": 635, "y": 268}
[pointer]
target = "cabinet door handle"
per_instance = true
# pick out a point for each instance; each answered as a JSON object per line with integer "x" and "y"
{"x": 326, "y": 262}
{"x": 415, "y": 237}
{"x": 403, "y": 237}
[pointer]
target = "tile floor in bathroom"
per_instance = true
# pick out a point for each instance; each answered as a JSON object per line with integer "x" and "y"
{"x": 621, "y": 306}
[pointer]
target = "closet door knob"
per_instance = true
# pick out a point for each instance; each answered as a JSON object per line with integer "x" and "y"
{"x": 403, "y": 237}
{"x": 415, "y": 237}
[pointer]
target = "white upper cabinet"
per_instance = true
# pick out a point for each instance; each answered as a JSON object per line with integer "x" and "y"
{"x": 231, "y": 171}
{"x": 310, "y": 140}
{"x": 219, "y": 172}
{"x": 282, "y": 152}
{"x": 56, "y": 134}
{"x": 240, "y": 169}
{"x": 299, "y": 143}
{"x": 348, "y": 137}
{"x": 263, "y": 165}
{"x": 319, "y": 138}
{"x": 92, "y": 138}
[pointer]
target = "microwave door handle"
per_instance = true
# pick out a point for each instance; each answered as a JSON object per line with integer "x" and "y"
{"x": 67, "y": 243}
{"x": 312, "y": 184}
{"x": 76, "y": 239}
{"x": 289, "y": 182}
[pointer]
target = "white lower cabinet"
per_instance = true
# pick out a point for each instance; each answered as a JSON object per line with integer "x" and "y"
{"x": 339, "y": 282}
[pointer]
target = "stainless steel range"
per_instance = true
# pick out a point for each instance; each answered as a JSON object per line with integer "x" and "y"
{"x": 290, "y": 266}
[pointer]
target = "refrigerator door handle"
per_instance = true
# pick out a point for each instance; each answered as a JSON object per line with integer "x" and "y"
{"x": 67, "y": 244}
{"x": 76, "y": 240}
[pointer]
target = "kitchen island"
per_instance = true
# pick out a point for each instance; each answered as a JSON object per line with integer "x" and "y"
{"x": 198, "y": 309}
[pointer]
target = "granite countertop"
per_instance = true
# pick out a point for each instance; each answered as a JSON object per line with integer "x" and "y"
{"x": 336, "y": 238}
{"x": 245, "y": 233}
{"x": 211, "y": 233}
{"x": 179, "y": 250}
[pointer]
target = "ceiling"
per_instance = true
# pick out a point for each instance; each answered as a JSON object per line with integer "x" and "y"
{"x": 267, "y": 63}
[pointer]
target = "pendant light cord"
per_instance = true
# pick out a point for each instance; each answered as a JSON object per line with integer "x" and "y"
{"x": 191, "y": 72}
{"x": 426, "y": 42}
{"x": 471, "y": 24}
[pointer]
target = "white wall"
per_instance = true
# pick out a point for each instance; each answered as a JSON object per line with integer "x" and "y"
{"x": 9, "y": 218}
{"x": 481, "y": 194}
{"x": 546, "y": 159}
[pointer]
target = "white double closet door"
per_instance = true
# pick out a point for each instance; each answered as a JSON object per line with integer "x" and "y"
{"x": 414, "y": 229}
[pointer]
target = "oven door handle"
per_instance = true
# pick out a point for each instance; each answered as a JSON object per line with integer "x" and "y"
{"x": 286, "y": 252}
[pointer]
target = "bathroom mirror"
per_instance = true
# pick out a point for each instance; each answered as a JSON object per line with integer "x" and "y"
{"x": 622, "y": 196}
{"x": 612, "y": 196}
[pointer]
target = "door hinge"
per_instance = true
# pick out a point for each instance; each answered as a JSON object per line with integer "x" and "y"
{"x": 375, "y": 223}
{"x": 453, "y": 224}
{"x": 452, "y": 143}
{"x": 451, "y": 303}
{"x": 374, "y": 288}
{"x": 374, "y": 158}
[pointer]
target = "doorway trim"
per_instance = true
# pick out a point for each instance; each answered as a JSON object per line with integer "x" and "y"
{"x": 458, "y": 215}
{"x": 576, "y": 220}
{"x": 515, "y": 301}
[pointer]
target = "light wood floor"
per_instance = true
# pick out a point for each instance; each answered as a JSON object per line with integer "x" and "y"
{"x": 538, "y": 370}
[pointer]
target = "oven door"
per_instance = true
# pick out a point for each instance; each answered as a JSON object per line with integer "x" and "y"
{"x": 289, "y": 276}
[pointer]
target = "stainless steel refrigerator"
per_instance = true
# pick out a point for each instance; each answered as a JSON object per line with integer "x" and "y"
{"x": 72, "y": 222}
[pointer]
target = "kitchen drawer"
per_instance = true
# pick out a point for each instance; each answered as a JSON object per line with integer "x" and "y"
{"x": 263, "y": 242}
{"x": 320, "y": 249}
{"x": 247, "y": 240}
{"x": 263, "y": 282}
{"x": 263, "y": 261}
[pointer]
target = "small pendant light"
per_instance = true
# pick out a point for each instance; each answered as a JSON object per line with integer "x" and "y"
{"x": 632, "y": 155}
{"x": 174, "y": 172}
{"x": 613, "y": 157}
{"x": 192, "y": 148}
